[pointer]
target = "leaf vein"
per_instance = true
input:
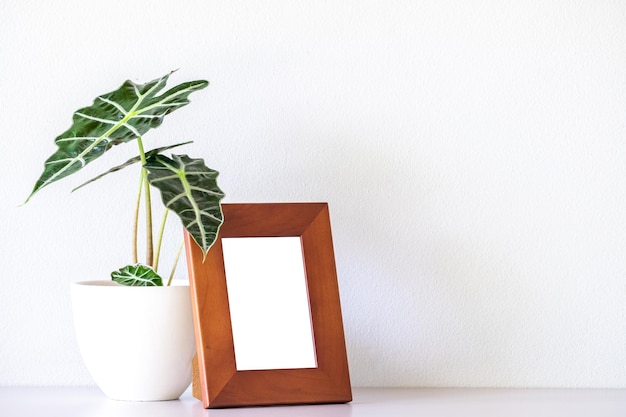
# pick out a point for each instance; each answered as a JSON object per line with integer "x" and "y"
{"x": 96, "y": 119}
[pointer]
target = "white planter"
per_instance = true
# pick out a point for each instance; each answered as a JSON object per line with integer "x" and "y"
{"x": 137, "y": 342}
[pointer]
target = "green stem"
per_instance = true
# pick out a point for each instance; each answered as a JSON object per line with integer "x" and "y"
{"x": 180, "y": 250}
{"x": 136, "y": 222}
{"x": 160, "y": 240}
{"x": 144, "y": 176}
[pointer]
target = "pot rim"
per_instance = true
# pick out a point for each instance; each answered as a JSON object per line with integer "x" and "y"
{"x": 112, "y": 284}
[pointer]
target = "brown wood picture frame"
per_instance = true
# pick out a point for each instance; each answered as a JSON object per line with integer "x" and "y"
{"x": 221, "y": 384}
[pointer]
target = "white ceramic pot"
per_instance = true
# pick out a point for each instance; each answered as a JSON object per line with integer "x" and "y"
{"x": 137, "y": 342}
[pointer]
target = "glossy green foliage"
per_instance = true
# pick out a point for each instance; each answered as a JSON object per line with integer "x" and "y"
{"x": 138, "y": 276}
{"x": 131, "y": 161}
{"x": 189, "y": 188}
{"x": 116, "y": 117}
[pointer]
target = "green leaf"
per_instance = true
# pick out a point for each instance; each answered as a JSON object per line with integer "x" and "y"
{"x": 137, "y": 276}
{"x": 114, "y": 118}
{"x": 189, "y": 188}
{"x": 130, "y": 162}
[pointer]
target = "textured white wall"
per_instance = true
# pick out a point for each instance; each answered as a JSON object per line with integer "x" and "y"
{"x": 473, "y": 154}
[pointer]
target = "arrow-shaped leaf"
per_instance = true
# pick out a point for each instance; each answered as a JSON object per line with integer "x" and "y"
{"x": 189, "y": 188}
{"x": 130, "y": 162}
{"x": 116, "y": 117}
{"x": 138, "y": 276}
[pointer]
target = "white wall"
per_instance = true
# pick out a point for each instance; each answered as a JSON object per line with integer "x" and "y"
{"x": 473, "y": 154}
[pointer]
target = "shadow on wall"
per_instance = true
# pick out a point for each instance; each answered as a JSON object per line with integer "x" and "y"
{"x": 415, "y": 292}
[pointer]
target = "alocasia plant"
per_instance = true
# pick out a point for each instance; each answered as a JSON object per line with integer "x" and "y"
{"x": 187, "y": 186}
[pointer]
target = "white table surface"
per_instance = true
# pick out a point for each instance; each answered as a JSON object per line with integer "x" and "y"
{"x": 368, "y": 402}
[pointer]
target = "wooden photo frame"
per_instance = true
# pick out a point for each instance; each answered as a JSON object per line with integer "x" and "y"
{"x": 221, "y": 383}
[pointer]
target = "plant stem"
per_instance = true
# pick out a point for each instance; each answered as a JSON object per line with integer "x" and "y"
{"x": 160, "y": 240}
{"x": 136, "y": 221}
{"x": 180, "y": 250}
{"x": 144, "y": 176}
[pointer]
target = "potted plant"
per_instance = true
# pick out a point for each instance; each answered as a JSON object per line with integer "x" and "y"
{"x": 135, "y": 331}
